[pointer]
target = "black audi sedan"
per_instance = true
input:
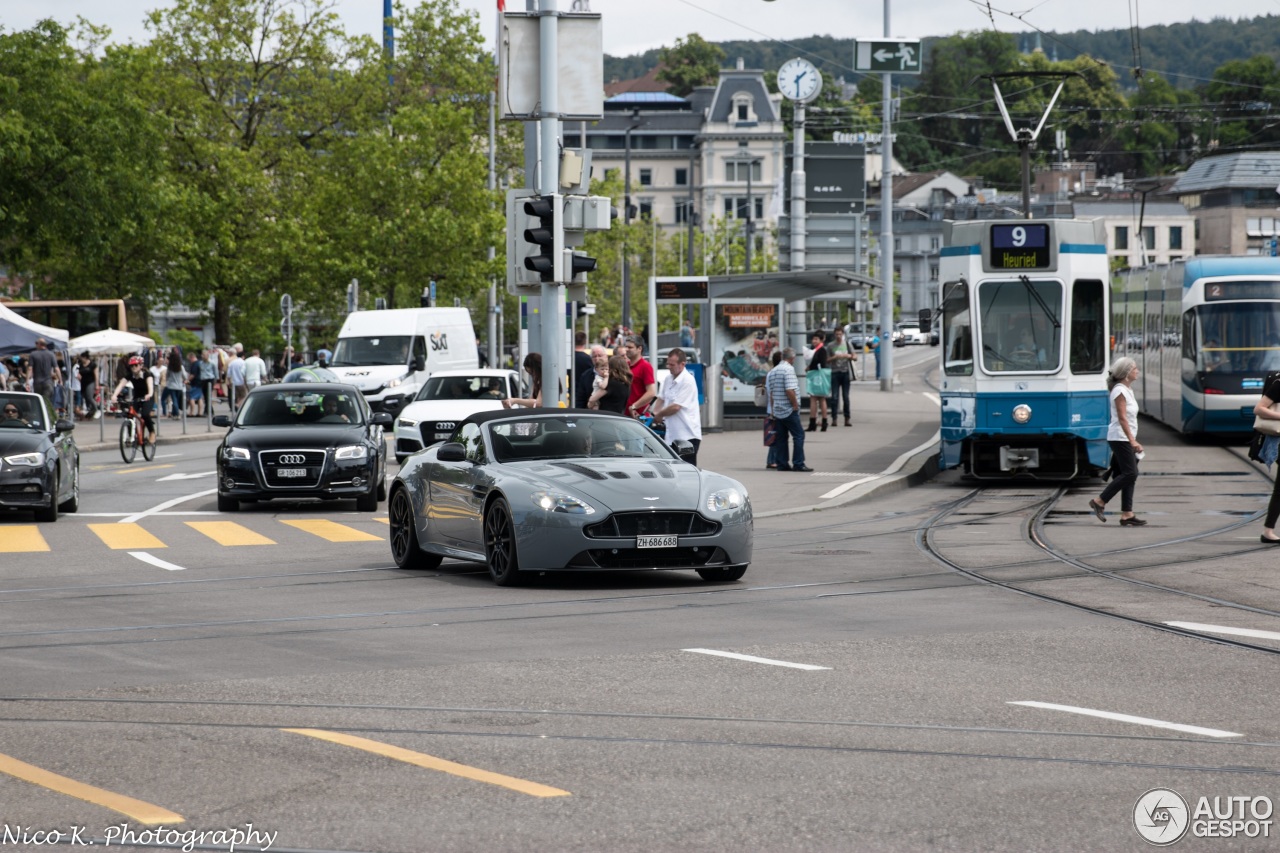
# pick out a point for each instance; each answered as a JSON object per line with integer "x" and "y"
{"x": 303, "y": 440}
{"x": 39, "y": 461}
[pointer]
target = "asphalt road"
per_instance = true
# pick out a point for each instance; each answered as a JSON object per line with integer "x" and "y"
{"x": 201, "y": 672}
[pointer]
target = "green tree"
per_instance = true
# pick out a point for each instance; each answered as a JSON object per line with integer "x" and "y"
{"x": 692, "y": 62}
{"x": 1243, "y": 95}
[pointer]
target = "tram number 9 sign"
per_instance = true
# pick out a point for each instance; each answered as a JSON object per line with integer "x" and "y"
{"x": 1019, "y": 246}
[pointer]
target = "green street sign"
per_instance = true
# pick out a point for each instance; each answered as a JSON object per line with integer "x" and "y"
{"x": 895, "y": 56}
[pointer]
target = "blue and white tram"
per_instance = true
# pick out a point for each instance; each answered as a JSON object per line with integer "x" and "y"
{"x": 1024, "y": 314}
{"x": 1206, "y": 332}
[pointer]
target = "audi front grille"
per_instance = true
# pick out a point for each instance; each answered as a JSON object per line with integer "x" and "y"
{"x": 280, "y": 468}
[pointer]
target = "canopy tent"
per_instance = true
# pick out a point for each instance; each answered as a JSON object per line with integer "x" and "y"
{"x": 18, "y": 334}
{"x": 110, "y": 342}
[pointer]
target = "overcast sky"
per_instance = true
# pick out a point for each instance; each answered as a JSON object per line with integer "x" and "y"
{"x": 632, "y": 26}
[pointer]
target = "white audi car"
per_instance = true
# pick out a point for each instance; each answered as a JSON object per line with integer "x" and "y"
{"x": 447, "y": 398}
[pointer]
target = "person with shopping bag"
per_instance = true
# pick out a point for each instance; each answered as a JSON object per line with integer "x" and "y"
{"x": 818, "y": 382}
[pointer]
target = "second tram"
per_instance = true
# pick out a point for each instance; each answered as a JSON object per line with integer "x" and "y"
{"x": 1024, "y": 315}
{"x": 1206, "y": 332}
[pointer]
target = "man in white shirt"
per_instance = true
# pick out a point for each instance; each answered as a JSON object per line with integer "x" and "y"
{"x": 235, "y": 378}
{"x": 255, "y": 370}
{"x": 678, "y": 405}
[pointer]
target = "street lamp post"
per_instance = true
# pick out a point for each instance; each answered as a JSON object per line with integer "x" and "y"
{"x": 626, "y": 220}
{"x": 750, "y": 161}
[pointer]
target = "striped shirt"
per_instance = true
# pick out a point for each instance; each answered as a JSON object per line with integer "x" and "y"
{"x": 781, "y": 379}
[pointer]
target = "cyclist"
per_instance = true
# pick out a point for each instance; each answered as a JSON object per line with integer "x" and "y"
{"x": 144, "y": 388}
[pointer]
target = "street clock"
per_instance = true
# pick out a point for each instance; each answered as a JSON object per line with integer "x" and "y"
{"x": 799, "y": 80}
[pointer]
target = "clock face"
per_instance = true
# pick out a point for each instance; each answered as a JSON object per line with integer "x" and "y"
{"x": 799, "y": 80}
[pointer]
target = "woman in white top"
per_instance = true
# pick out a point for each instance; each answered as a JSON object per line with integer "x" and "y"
{"x": 1122, "y": 435}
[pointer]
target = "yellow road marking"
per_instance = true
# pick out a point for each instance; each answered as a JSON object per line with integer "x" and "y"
{"x": 430, "y": 762}
{"x": 333, "y": 531}
{"x": 126, "y": 537}
{"x": 25, "y": 537}
{"x": 229, "y": 533}
{"x": 383, "y": 520}
{"x": 129, "y": 469}
{"x": 144, "y": 813}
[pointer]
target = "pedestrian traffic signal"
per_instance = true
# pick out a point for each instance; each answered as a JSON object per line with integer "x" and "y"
{"x": 581, "y": 266}
{"x": 544, "y": 237}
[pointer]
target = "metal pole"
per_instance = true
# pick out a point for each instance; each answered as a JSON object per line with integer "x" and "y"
{"x": 750, "y": 169}
{"x": 552, "y": 293}
{"x": 688, "y": 214}
{"x": 626, "y": 221}
{"x": 885, "y": 359}
{"x": 493, "y": 324}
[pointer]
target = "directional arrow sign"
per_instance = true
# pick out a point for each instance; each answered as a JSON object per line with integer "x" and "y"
{"x": 894, "y": 56}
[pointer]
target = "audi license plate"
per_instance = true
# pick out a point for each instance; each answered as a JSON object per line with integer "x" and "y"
{"x": 657, "y": 541}
{"x": 443, "y": 435}
{"x": 285, "y": 473}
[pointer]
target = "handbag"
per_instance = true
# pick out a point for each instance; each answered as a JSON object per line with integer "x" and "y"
{"x": 770, "y": 431}
{"x": 1267, "y": 426}
{"x": 818, "y": 382}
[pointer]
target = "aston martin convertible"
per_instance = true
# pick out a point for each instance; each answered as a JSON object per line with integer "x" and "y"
{"x": 527, "y": 491}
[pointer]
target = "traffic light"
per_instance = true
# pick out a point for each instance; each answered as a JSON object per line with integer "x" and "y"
{"x": 543, "y": 208}
{"x": 581, "y": 265}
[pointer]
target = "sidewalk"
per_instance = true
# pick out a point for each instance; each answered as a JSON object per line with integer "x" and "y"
{"x": 893, "y": 444}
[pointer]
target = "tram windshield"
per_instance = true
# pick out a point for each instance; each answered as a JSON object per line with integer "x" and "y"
{"x": 1020, "y": 323}
{"x": 1233, "y": 337}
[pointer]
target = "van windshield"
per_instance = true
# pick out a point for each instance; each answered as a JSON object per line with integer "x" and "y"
{"x": 363, "y": 352}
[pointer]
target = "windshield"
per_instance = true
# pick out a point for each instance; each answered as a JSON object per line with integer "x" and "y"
{"x": 1019, "y": 325}
{"x": 569, "y": 437}
{"x": 957, "y": 334}
{"x": 1239, "y": 337}
{"x": 21, "y": 412}
{"x": 463, "y": 388}
{"x": 367, "y": 352}
{"x": 299, "y": 408}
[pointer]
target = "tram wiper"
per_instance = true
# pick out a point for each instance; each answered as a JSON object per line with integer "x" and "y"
{"x": 1026, "y": 282}
{"x": 989, "y": 348}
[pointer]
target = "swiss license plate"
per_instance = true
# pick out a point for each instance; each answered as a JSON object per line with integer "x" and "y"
{"x": 286, "y": 473}
{"x": 657, "y": 541}
{"x": 443, "y": 435}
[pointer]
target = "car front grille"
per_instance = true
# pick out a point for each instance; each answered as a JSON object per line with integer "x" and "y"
{"x": 648, "y": 558}
{"x": 273, "y": 462}
{"x": 624, "y": 525}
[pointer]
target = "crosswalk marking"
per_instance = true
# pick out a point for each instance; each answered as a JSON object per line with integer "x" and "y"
{"x": 332, "y": 531}
{"x": 126, "y": 537}
{"x": 26, "y": 537}
{"x": 229, "y": 533}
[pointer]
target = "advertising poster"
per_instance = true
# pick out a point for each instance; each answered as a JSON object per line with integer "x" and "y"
{"x": 747, "y": 336}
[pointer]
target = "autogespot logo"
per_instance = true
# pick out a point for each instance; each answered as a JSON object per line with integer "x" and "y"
{"x": 1161, "y": 817}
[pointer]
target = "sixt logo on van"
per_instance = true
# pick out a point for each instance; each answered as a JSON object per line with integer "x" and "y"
{"x": 439, "y": 341}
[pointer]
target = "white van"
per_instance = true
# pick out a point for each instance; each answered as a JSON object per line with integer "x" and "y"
{"x": 389, "y": 354}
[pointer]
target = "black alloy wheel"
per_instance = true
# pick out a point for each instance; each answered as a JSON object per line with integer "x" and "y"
{"x": 404, "y": 535}
{"x": 500, "y": 545}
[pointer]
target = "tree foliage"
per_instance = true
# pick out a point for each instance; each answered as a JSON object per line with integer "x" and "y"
{"x": 691, "y": 63}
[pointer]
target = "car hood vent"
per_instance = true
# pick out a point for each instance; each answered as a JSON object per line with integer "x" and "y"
{"x": 647, "y": 475}
{"x": 582, "y": 469}
{"x": 664, "y": 470}
{"x": 619, "y": 475}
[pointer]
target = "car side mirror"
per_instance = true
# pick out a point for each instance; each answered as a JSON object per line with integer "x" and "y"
{"x": 452, "y": 451}
{"x": 63, "y": 425}
{"x": 222, "y": 420}
{"x": 380, "y": 419}
{"x": 684, "y": 449}
{"x": 419, "y": 364}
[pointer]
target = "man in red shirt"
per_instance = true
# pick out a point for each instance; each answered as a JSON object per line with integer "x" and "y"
{"x": 644, "y": 383}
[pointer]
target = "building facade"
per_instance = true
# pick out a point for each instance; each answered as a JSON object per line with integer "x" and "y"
{"x": 1233, "y": 199}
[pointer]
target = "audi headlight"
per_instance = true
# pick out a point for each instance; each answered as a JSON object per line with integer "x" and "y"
{"x": 351, "y": 451}
{"x": 407, "y": 423}
{"x": 557, "y": 502}
{"x": 724, "y": 500}
{"x": 235, "y": 453}
{"x": 24, "y": 460}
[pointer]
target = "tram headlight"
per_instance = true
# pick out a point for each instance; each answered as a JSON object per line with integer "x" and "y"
{"x": 1022, "y": 413}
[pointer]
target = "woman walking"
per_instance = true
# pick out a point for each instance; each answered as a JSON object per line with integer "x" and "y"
{"x": 1270, "y": 396}
{"x": 1122, "y": 435}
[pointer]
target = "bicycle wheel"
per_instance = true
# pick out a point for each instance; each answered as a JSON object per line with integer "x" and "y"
{"x": 148, "y": 448}
{"x": 128, "y": 440}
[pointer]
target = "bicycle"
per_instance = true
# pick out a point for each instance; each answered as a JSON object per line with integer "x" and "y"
{"x": 132, "y": 434}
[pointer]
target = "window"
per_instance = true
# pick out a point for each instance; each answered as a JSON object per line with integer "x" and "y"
{"x": 683, "y": 206}
{"x": 933, "y": 272}
{"x": 1148, "y": 237}
{"x": 646, "y": 208}
{"x": 682, "y": 177}
{"x": 1088, "y": 350}
{"x": 472, "y": 443}
{"x": 735, "y": 207}
{"x": 934, "y": 243}
{"x": 956, "y": 333}
{"x": 742, "y": 112}
{"x": 1175, "y": 237}
{"x": 1122, "y": 238}
{"x": 646, "y": 177}
{"x": 737, "y": 170}
{"x": 1020, "y": 329}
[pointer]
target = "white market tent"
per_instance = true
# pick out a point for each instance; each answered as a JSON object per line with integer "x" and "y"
{"x": 110, "y": 342}
{"x": 18, "y": 334}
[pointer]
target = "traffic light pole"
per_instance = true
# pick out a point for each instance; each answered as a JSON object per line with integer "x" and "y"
{"x": 552, "y": 302}
{"x": 884, "y": 356}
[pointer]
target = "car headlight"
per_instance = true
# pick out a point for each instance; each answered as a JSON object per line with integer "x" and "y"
{"x": 351, "y": 451}
{"x": 398, "y": 381}
{"x": 23, "y": 460}
{"x": 235, "y": 453}
{"x": 407, "y": 423}
{"x": 557, "y": 502}
{"x": 725, "y": 499}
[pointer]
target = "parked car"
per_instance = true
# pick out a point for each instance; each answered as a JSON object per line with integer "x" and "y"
{"x": 303, "y": 440}
{"x": 532, "y": 490}
{"x": 39, "y": 460}
{"x": 447, "y": 398}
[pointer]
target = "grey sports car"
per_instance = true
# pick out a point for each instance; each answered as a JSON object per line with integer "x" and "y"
{"x": 536, "y": 490}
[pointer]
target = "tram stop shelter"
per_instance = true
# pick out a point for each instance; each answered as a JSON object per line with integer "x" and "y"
{"x": 745, "y": 320}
